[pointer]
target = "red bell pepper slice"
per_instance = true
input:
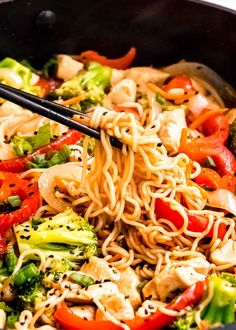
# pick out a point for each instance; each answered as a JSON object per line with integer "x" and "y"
{"x": 70, "y": 321}
{"x": 30, "y": 196}
{"x": 20, "y": 164}
{"x": 180, "y": 81}
{"x": 217, "y": 131}
{"x": 118, "y": 63}
{"x": 196, "y": 223}
{"x": 156, "y": 321}
{"x": 210, "y": 178}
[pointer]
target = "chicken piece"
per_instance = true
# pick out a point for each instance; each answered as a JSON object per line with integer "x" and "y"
{"x": 149, "y": 307}
{"x": 167, "y": 282}
{"x": 171, "y": 124}
{"x": 225, "y": 254}
{"x": 118, "y": 306}
{"x": 100, "y": 270}
{"x": 67, "y": 67}
{"x": 127, "y": 285}
{"x": 86, "y": 312}
{"x": 142, "y": 75}
{"x": 201, "y": 265}
{"x": 161, "y": 286}
{"x": 116, "y": 76}
{"x": 76, "y": 294}
{"x": 123, "y": 91}
{"x": 187, "y": 276}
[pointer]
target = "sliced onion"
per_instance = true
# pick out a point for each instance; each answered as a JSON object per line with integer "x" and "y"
{"x": 47, "y": 183}
{"x": 199, "y": 70}
{"x": 222, "y": 199}
{"x": 11, "y": 77}
{"x": 197, "y": 103}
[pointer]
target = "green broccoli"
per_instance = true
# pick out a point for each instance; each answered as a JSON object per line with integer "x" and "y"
{"x": 220, "y": 310}
{"x": 232, "y": 138}
{"x": 90, "y": 84}
{"x": 17, "y": 75}
{"x": 31, "y": 292}
{"x": 66, "y": 235}
{"x": 58, "y": 266}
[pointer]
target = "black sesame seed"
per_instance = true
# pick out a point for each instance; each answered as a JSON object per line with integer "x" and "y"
{"x": 12, "y": 185}
{"x": 145, "y": 312}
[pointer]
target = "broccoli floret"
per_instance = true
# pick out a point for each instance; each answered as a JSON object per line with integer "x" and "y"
{"x": 90, "y": 84}
{"x": 186, "y": 322}
{"x": 66, "y": 235}
{"x": 220, "y": 310}
{"x": 232, "y": 138}
{"x": 17, "y": 75}
{"x": 57, "y": 267}
{"x": 31, "y": 292}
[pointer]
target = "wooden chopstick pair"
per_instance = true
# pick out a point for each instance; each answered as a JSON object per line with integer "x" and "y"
{"x": 51, "y": 110}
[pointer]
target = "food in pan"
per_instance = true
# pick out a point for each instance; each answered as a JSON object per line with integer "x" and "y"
{"x": 96, "y": 237}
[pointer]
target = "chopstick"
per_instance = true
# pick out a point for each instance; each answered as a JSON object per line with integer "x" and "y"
{"x": 51, "y": 110}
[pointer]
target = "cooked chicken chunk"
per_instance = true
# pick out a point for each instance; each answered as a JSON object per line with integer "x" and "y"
{"x": 188, "y": 276}
{"x": 123, "y": 91}
{"x": 116, "y": 76}
{"x": 172, "y": 123}
{"x": 100, "y": 270}
{"x": 142, "y": 75}
{"x": 86, "y": 312}
{"x": 225, "y": 254}
{"x": 76, "y": 294}
{"x": 163, "y": 285}
{"x": 201, "y": 265}
{"x": 127, "y": 285}
{"x": 118, "y": 306}
{"x": 67, "y": 67}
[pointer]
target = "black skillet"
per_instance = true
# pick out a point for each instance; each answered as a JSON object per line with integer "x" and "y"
{"x": 163, "y": 31}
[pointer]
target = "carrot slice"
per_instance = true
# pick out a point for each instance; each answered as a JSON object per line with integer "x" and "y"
{"x": 205, "y": 115}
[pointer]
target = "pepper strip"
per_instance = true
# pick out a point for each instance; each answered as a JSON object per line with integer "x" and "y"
{"x": 216, "y": 130}
{"x": 118, "y": 63}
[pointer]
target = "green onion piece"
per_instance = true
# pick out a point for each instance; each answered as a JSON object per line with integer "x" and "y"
{"x": 25, "y": 274}
{"x": 50, "y": 68}
{"x": 142, "y": 284}
{"x": 14, "y": 200}
{"x": 210, "y": 162}
{"x": 160, "y": 99}
{"x": 81, "y": 279}
{"x": 42, "y": 138}
{"x": 11, "y": 259}
{"x": 21, "y": 146}
{"x": 60, "y": 156}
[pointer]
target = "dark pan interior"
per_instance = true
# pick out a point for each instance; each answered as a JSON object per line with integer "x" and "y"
{"x": 164, "y": 31}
